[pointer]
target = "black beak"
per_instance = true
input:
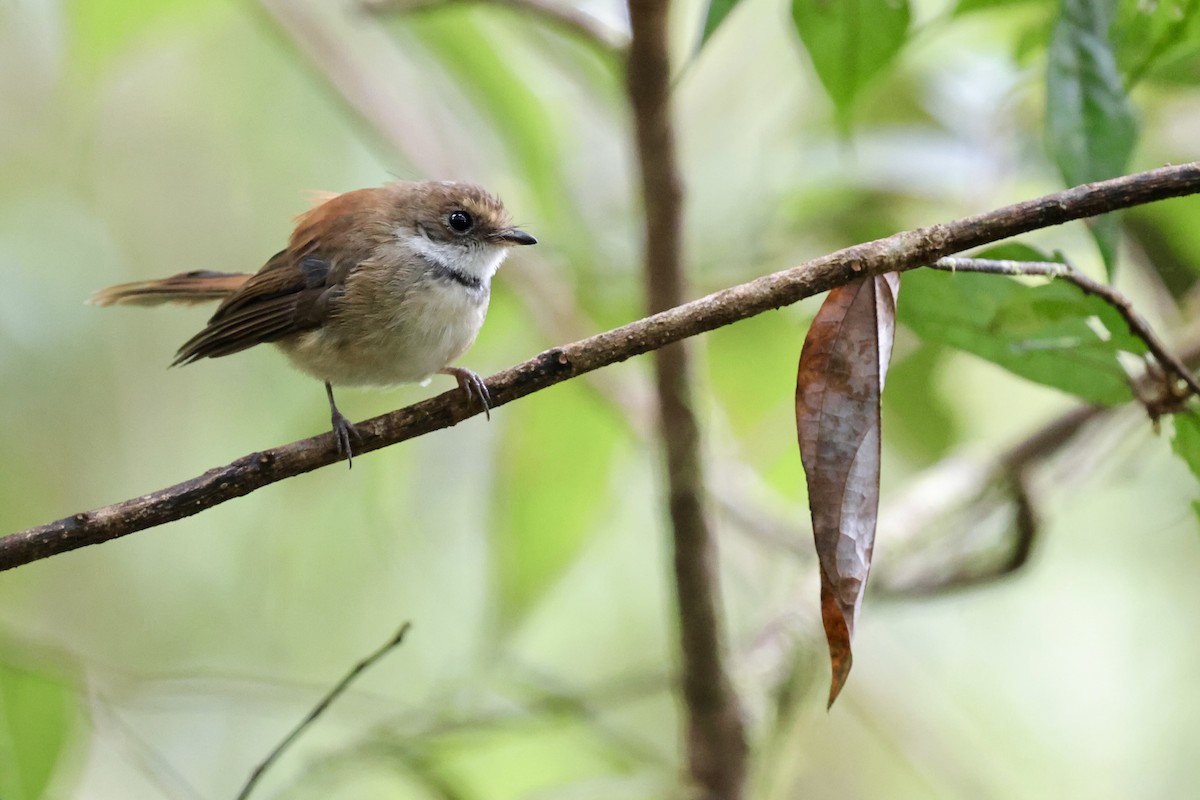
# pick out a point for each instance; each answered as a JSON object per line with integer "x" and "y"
{"x": 514, "y": 236}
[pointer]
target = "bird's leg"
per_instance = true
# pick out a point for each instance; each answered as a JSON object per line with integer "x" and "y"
{"x": 472, "y": 386}
{"x": 343, "y": 429}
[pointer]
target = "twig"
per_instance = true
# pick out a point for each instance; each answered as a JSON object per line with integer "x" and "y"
{"x": 715, "y": 737}
{"x": 565, "y": 16}
{"x": 896, "y": 253}
{"x": 1053, "y": 269}
{"x": 321, "y": 706}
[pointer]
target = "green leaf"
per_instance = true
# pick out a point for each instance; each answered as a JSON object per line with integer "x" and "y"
{"x": 717, "y": 11}
{"x": 1186, "y": 441}
{"x": 1150, "y": 35}
{"x": 1090, "y": 126}
{"x": 35, "y": 719}
{"x": 850, "y": 42}
{"x": 1120, "y": 337}
{"x": 1186, "y": 444}
{"x": 967, "y": 6}
{"x": 1041, "y": 333}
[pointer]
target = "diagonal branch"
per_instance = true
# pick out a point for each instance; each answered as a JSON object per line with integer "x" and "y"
{"x": 896, "y": 253}
{"x": 715, "y": 737}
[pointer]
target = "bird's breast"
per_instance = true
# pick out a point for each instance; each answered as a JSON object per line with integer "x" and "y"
{"x": 388, "y": 337}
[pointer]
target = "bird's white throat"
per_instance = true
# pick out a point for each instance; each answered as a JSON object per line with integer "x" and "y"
{"x": 478, "y": 260}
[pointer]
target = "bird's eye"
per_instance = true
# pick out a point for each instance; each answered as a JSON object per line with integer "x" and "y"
{"x": 460, "y": 221}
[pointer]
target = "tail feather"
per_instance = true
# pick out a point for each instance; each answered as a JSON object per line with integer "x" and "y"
{"x": 200, "y": 286}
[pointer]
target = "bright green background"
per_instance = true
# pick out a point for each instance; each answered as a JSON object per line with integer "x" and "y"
{"x": 143, "y": 138}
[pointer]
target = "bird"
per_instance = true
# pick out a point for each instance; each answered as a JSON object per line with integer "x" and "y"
{"x": 376, "y": 287}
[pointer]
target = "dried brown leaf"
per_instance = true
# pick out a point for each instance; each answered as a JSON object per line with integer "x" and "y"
{"x": 838, "y": 386}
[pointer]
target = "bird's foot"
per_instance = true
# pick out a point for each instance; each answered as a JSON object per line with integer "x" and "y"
{"x": 343, "y": 429}
{"x": 472, "y": 386}
{"x": 344, "y": 432}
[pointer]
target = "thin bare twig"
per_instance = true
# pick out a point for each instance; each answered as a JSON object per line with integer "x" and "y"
{"x": 715, "y": 736}
{"x": 1053, "y": 269}
{"x": 896, "y": 253}
{"x": 319, "y": 709}
{"x": 564, "y": 16}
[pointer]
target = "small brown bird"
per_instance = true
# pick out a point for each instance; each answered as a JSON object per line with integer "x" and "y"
{"x": 376, "y": 287}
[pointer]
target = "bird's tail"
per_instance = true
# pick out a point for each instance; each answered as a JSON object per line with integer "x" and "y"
{"x": 200, "y": 286}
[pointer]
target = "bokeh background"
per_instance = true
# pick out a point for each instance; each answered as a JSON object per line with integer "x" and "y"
{"x": 140, "y": 138}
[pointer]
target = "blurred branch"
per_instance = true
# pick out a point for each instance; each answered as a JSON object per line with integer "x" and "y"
{"x": 565, "y": 16}
{"x": 896, "y": 253}
{"x": 716, "y": 739}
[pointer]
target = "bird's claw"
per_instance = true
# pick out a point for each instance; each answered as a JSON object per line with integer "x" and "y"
{"x": 343, "y": 432}
{"x": 473, "y": 387}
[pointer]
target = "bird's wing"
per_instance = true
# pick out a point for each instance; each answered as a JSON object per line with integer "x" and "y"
{"x": 286, "y": 296}
{"x": 299, "y": 287}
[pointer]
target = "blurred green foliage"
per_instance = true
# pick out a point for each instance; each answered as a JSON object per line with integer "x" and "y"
{"x": 1090, "y": 124}
{"x": 717, "y": 11}
{"x": 139, "y": 139}
{"x": 36, "y": 717}
{"x": 850, "y": 43}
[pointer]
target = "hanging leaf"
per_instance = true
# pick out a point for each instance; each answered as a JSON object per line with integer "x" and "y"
{"x": 1090, "y": 125}
{"x": 850, "y": 42}
{"x": 838, "y": 387}
{"x": 717, "y": 11}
